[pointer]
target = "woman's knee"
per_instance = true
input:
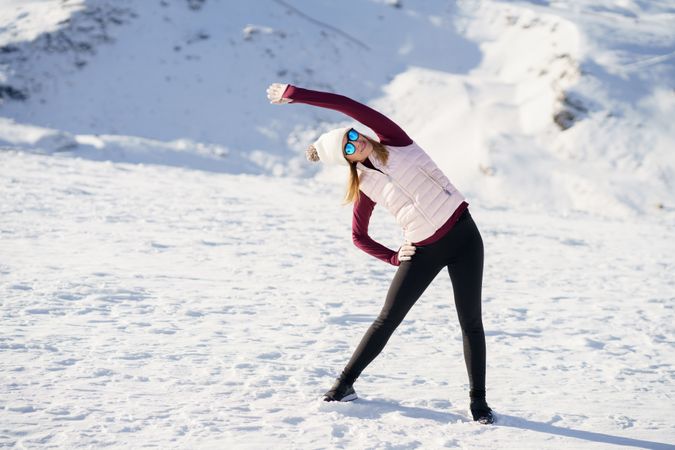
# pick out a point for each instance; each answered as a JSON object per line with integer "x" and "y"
{"x": 471, "y": 324}
{"x": 387, "y": 320}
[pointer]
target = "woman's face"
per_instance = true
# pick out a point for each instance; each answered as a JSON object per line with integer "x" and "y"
{"x": 363, "y": 148}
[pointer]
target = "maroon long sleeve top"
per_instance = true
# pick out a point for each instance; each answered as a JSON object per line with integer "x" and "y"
{"x": 388, "y": 133}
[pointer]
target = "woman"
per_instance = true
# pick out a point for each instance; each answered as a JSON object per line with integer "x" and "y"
{"x": 437, "y": 226}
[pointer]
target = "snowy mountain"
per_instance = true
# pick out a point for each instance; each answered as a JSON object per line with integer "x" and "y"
{"x": 175, "y": 274}
{"x": 558, "y": 105}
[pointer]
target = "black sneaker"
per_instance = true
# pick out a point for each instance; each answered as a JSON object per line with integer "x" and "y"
{"x": 481, "y": 412}
{"x": 340, "y": 392}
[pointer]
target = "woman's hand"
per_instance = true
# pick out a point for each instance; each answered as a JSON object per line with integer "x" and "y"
{"x": 275, "y": 93}
{"x": 406, "y": 252}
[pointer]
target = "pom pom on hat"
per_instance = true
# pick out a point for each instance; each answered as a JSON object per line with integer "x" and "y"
{"x": 329, "y": 147}
{"x": 311, "y": 154}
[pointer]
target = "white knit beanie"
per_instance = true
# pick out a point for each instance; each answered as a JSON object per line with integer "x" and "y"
{"x": 329, "y": 147}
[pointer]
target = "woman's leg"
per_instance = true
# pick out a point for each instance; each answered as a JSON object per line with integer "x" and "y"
{"x": 410, "y": 281}
{"x": 466, "y": 272}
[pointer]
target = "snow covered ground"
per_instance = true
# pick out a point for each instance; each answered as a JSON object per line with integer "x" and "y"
{"x": 153, "y": 306}
{"x": 174, "y": 274}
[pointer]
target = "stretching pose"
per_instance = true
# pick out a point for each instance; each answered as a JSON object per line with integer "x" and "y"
{"x": 438, "y": 230}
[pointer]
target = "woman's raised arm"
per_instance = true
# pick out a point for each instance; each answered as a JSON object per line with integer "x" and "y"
{"x": 387, "y": 131}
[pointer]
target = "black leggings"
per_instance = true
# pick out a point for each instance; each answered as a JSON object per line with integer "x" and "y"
{"x": 461, "y": 250}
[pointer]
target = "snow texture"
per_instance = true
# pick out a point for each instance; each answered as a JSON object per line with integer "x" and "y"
{"x": 174, "y": 274}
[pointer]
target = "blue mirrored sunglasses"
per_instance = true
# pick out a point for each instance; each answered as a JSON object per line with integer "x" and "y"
{"x": 352, "y": 135}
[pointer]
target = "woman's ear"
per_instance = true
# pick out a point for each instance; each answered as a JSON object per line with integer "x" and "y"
{"x": 312, "y": 154}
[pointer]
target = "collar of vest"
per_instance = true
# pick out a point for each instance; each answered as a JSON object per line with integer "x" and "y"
{"x": 375, "y": 162}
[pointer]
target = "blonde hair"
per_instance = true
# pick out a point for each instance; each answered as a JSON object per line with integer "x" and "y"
{"x": 352, "y": 193}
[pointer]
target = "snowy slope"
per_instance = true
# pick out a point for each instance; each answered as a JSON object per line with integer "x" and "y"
{"x": 486, "y": 87}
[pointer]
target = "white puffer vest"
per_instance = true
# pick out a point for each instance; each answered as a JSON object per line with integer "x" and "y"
{"x": 413, "y": 189}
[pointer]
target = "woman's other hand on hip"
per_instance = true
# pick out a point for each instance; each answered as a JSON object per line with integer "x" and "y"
{"x": 406, "y": 252}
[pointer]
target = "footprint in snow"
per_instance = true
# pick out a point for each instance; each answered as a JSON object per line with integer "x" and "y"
{"x": 293, "y": 420}
{"x": 270, "y": 355}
